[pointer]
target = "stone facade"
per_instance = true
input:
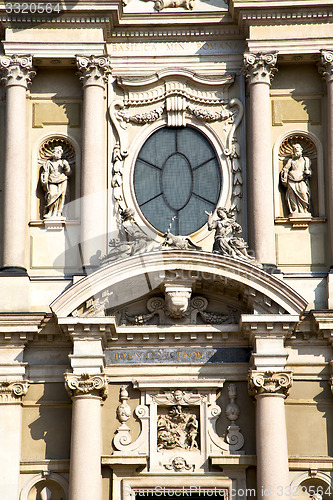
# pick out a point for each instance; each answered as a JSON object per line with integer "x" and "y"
{"x": 166, "y": 291}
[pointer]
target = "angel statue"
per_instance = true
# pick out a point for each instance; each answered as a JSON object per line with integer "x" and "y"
{"x": 54, "y": 177}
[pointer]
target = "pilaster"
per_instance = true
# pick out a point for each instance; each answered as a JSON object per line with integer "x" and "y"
{"x": 93, "y": 72}
{"x": 259, "y": 70}
{"x": 326, "y": 69}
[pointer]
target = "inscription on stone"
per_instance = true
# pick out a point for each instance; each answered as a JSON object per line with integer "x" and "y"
{"x": 181, "y": 355}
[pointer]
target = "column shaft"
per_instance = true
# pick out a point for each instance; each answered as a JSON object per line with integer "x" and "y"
{"x": 17, "y": 77}
{"x": 258, "y": 69}
{"x": 330, "y": 164}
{"x": 94, "y": 73}
{"x": 86, "y": 443}
{"x": 272, "y": 451}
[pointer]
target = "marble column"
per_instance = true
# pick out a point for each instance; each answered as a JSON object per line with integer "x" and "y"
{"x": 259, "y": 69}
{"x": 87, "y": 392}
{"x": 17, "y": 72}
{"x": 11, "y": 393}
{"x": 94, "y": 73}
{"x": 270, "y": 389}
{"x": 326, "y": 69}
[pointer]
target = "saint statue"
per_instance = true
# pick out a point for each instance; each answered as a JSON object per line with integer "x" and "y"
{"x": 54, "y": 177}
{"x": 295, "y": 176}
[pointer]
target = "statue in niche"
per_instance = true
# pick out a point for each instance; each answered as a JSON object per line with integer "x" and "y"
{"x": 225, "y": 243}
{"x": 54, "y": 178}
{"x": 295, "y": 176}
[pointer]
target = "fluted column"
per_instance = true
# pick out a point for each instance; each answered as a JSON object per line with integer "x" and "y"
{"x": 270, "y": 389}
{"x": 17, "y": 72}
{"x": 87, "y": 392}
{"x": 11, "y": 393}
{"x": 94, "y": 73}
{"x": 259, "y": 69}
{"x": 326, "y": 68}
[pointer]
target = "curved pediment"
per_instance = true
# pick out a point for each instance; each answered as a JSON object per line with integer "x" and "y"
{"x": 128, "y": 280}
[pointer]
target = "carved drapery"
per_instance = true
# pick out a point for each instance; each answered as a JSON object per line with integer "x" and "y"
{"x": 86, "y": 384}
{"x": 12, "y": 392}
{"x": 269, "y": 382}
{"x": 17, "y": 70}
{"x": 259, "y": 68}
{"x": 93, "y": 70}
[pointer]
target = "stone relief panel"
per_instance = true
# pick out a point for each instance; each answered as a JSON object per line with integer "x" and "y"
{"x": 56, "y": 157}
{"x": 178, "y": 428}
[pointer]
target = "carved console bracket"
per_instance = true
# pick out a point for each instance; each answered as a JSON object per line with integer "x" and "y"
{"x": 86, "y": 384}
{"x": 269, "y": 382}
{"x": 12, "y": 392}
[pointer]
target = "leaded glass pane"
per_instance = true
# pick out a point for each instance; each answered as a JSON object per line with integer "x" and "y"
{"x": 177, "y": 175}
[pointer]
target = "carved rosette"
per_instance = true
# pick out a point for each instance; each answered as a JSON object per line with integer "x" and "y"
{"x": 86, "y": 384}
{"x": 326, "y": 67}
{"x": 17, "y": 70}
{"x": 269, "y": 382}
{"x": 93, "y": 70}
{"x": 259, "y": 68}
{"x": 12, "y": 392}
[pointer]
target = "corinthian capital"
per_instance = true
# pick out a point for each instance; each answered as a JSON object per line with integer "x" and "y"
{"x": 12, "y": 392}
{"x": 269, "y": 382}
{"x": 259, "y": 68}
{"x": 17, "y": 70}
{"x": 93, "y": 70}
{"x": 78, "y": 385}
{"x": 326, "y": 66}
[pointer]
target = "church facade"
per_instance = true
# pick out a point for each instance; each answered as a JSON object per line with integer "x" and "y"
{"x": 166, "y": 290}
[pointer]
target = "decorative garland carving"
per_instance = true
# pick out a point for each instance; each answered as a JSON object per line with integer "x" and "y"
{"x": 269, "y": 382}
{"x": 12, "y": 392}
{"x": 78, "y": 385}
{"x": 177, "y": 397}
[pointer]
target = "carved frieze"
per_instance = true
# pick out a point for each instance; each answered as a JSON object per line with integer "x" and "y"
{"x": 259, "y": 68}
{"x": 85, "y": 384}
{"x": 13, "y": 391}
{"x": 93, "y": 70}
{"x": 17, "y": 70}
{"x": 269, "y": 382}
{"x": 177, "y": 429}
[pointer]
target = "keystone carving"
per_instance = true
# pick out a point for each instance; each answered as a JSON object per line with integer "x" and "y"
{"x": 93, "y": 70}
{"x": 269, "y": 382}
{"x": 326, "y": 67}
{"x": 259, "y": 68}
{"x": 12, "y": 392}
{"x": 78, "y": 385}
{"x": 17, "y": 70}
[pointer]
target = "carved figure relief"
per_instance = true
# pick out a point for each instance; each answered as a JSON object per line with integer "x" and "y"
{"x": 177, "y": 429}
{"x": 297, "y": 155}
{"x": 225, "y": 243}
{"x": 57, "y": 158}
{"x": 164, "y": 4}
{"x": 179, "y": 464}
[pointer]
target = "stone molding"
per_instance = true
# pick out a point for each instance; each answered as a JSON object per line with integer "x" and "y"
{"x": 17, "y": 70}
{"x": 326, "y": 66}
{"x": 86, "y": 384}
{"x": 12, "y": 392}
{"x": 260, "y": 67}
{"x": 93, "y": 70}
{"x": 269, "y": 382}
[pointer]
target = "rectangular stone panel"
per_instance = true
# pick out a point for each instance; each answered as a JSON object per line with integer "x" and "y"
{"x": 52, "y": 113}
{"x": 296, "y": 111}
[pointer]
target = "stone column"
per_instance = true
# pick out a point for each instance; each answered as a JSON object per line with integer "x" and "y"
{"x": 11, "y": 393}
{"x": 326, "y": 69}
{"x": 87, "y": 392}
{"x": 270, "y": 389}
{"x": 94, "y": 73}
{"x": 17, "y": 72}
{"x": 259, "y": 69}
